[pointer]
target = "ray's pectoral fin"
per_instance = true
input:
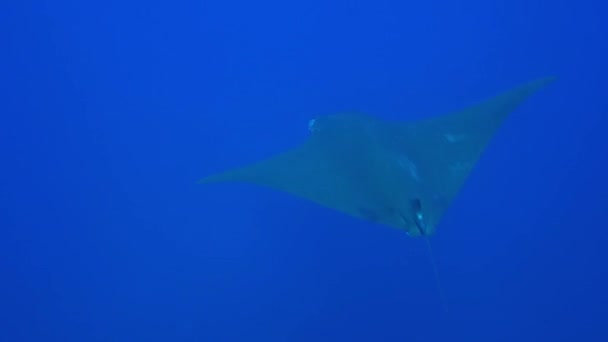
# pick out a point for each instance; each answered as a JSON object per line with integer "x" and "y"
{"x": 319, "y": 170}
{"x": 446, "y": 148}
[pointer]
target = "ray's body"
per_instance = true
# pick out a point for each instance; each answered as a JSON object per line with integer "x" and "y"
{"x": 401, "y": 174}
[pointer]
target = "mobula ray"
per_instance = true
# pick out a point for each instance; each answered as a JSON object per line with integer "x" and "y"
{"x": 403, "y": 174}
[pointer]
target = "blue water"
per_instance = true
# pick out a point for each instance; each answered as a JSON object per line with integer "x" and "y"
{"x": 112, "y": 110}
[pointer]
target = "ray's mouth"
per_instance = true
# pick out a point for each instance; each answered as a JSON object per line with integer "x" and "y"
{"x": 417, "y": 221}
{"x": 419, "y": 216}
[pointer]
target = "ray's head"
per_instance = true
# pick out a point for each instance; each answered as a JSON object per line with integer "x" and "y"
{"x": 420, "y": 216}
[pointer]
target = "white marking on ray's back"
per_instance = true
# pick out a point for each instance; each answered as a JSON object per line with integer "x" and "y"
{"x": 406, "y": 164}
{"x": 454, "y": 138}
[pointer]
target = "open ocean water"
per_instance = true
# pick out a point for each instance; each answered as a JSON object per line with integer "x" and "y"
{"x": 111, "y": 111}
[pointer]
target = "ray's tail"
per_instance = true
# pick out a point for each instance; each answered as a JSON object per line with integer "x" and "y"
{"x": 436, "y": 273}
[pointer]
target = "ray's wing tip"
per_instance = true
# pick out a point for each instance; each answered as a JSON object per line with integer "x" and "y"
{"x": 235, "y": 175}
{"x": 203, "y": 181}
{"x": 210, "y": 179}
{"x": 542, "y": 82}
{"x": 532, "y": 87}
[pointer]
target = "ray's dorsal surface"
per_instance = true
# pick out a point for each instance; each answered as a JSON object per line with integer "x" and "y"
{"x": 402, "y": 174}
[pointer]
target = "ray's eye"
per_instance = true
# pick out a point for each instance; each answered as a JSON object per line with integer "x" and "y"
{"x": 312, "y": 125}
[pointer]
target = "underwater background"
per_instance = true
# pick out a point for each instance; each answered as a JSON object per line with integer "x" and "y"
{"x": 111, "y": 111}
